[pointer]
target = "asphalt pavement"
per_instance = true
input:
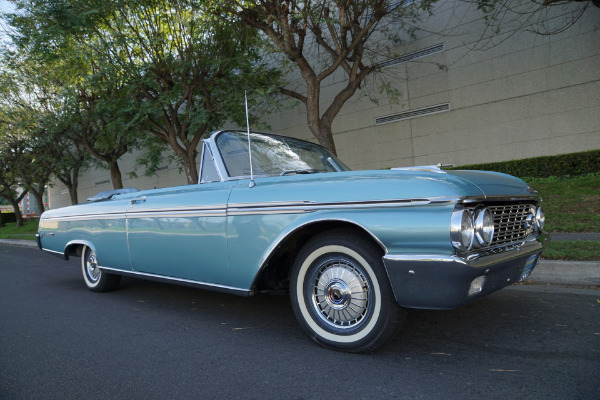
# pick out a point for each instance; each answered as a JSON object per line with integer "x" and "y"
{"x": 149, "y": 340}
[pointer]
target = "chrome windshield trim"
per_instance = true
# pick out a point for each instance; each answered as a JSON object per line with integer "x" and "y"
{"x": 181, "y": 281}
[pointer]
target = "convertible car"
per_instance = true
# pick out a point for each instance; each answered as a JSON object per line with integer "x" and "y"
{"x": 354, "y": 249}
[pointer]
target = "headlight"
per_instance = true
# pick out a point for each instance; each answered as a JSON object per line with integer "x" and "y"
{"x": 540, "y": 219}
{"x": 530, "y": 221}
{"x": 461, "y": 229}
{"x": 484, "y": 226}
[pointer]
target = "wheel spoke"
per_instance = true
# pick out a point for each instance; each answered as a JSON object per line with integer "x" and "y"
{"x": 341, "y": 293}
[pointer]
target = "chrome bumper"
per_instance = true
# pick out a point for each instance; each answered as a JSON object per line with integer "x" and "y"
{"x": 444, "y": 282}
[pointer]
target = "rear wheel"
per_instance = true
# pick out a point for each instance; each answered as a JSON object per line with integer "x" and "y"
{"x": 96, "y": 279}
{"x": 341, "y": 294}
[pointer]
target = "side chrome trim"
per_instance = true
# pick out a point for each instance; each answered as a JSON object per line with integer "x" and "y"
{"x": 179, "y": 281}
{"x": 80, "y": 217}
{"x": 278, "y": 207}
{"x": 309, "y": 206}
{"x": 424, "y": 258}
{"x": 175, "y": 214}
{"x": 55, "y": 253}
{"x": 210, "y": 211}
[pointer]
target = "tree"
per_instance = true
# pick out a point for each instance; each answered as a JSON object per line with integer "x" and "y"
{"x": 10, "y": 154}
{"x": 178, "y": 70}
{"x": 323, "y": 38}
{"x": 546, "y": 17}
{"x": 85, "y": 102}
{"x": 187, "y": 68}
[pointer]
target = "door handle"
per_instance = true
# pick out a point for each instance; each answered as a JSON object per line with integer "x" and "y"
{"x": 137, "y": 200}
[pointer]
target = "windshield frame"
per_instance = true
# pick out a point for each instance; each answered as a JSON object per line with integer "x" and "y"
{"x": 220, "y": 160}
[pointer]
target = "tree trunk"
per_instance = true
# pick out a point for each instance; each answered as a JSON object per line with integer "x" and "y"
{"x": 39, "y": 198}
{"x": 38, "y": 193}
{"x": 1, "y": 221}
{"x": 73, "y": 186}
{"x": 191, "y": 171}
{"x": 18, "y": 216}
{"x": 115, "y": 175}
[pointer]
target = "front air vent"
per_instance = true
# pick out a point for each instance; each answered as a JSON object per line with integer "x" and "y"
{"x": 420, "y": 112}
{"x": 413, "y": 56}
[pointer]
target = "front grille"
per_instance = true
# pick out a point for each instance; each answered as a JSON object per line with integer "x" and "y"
{"x": 510, "y": 223}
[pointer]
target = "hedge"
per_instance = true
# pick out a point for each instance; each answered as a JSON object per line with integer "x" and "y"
{"x": 543, "y": 167}
{"x": 8, "y": 217}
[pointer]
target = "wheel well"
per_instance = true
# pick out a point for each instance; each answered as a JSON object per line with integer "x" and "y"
{"x": 275, "y": 274}
{"x": 74, "y": 250}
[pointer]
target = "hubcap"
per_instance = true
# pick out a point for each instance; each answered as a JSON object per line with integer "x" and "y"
{"x": 340, "y": 294}
{"x": 92, "y": 268}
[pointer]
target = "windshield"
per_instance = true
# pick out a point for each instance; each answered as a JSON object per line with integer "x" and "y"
{"x": 274, "y": 155}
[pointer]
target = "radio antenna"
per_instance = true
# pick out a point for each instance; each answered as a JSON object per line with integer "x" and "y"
{"x": 252, "y": 184}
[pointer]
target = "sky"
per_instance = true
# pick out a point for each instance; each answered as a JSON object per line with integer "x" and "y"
{"x": 5, "y": 6}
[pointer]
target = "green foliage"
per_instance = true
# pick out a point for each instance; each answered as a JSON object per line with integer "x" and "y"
{"x": 571, "y": 204}
{"x": 25, "y": 232}
{"x": 543, "y": 167}
{"x": 8, "y": 217}
{"x": 580, "y": 250}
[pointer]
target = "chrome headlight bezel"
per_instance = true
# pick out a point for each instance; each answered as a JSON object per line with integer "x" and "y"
{"x": 530, "y": 221}
{"x": 462, "y": 230}
{"x": 540, "y": 219}
{"x": 483, "y": 220}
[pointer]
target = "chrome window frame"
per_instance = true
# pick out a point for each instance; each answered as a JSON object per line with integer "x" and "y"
{"x": 209, "y": 149}
{"x": 211, "y": 145}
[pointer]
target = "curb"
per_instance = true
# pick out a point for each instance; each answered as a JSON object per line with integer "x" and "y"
{"x": 555, "y": 272}
{"x": 19, "y": 242}
{"x": 566, "y": 272}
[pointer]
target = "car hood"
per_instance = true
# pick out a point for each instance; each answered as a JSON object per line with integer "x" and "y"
{"x": 381, "y": 185}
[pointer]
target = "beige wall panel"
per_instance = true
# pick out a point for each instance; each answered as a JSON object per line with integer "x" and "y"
{"x": 575, "y": 72}
{"x": 427, "y": 86}
{"x": 575, "y": 97}
{"x": 574, "y": 48}
{"x": 474, "y": 95}
{"x": 431, "y": 124}
{"x": 520, "y": 85}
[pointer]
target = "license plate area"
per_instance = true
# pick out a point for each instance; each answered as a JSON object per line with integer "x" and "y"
{"x": 529, "y": 264}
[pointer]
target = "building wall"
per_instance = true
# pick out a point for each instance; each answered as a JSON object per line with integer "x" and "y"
{"x": 521, "y": 95}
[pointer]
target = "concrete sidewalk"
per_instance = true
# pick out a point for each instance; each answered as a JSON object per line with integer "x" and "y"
{"x": 583, "y": 273}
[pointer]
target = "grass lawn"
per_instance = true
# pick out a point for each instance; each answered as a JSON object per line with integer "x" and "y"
{"x": 580, "y": 250}
{"x": 25, "y": 232}
{"x": 570, "y": 204}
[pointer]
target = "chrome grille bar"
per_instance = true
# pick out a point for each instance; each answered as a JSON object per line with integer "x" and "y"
{"x": 509, "y": 222}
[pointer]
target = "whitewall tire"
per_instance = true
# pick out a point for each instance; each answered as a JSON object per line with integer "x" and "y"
{"x": 95, "y": 279}
{"x": 341, "y": 294}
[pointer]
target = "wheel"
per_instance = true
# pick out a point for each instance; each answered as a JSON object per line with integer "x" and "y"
{"x": 341, "y": 295}
{"x": 95, "y": 279}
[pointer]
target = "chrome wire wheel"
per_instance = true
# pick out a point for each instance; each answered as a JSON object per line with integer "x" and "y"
{"x": 341, "y": 294}
{"x": 96, "y": 279}
{"x": 91, "y": 263}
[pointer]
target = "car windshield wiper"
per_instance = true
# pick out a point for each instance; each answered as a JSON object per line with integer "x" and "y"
{"x": 299, "y": 171}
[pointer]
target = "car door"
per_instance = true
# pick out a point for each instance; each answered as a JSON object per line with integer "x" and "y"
{"x": 180, "y": 232}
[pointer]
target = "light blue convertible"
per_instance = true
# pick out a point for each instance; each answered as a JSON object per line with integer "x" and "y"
{"x": 352, "y": 249}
